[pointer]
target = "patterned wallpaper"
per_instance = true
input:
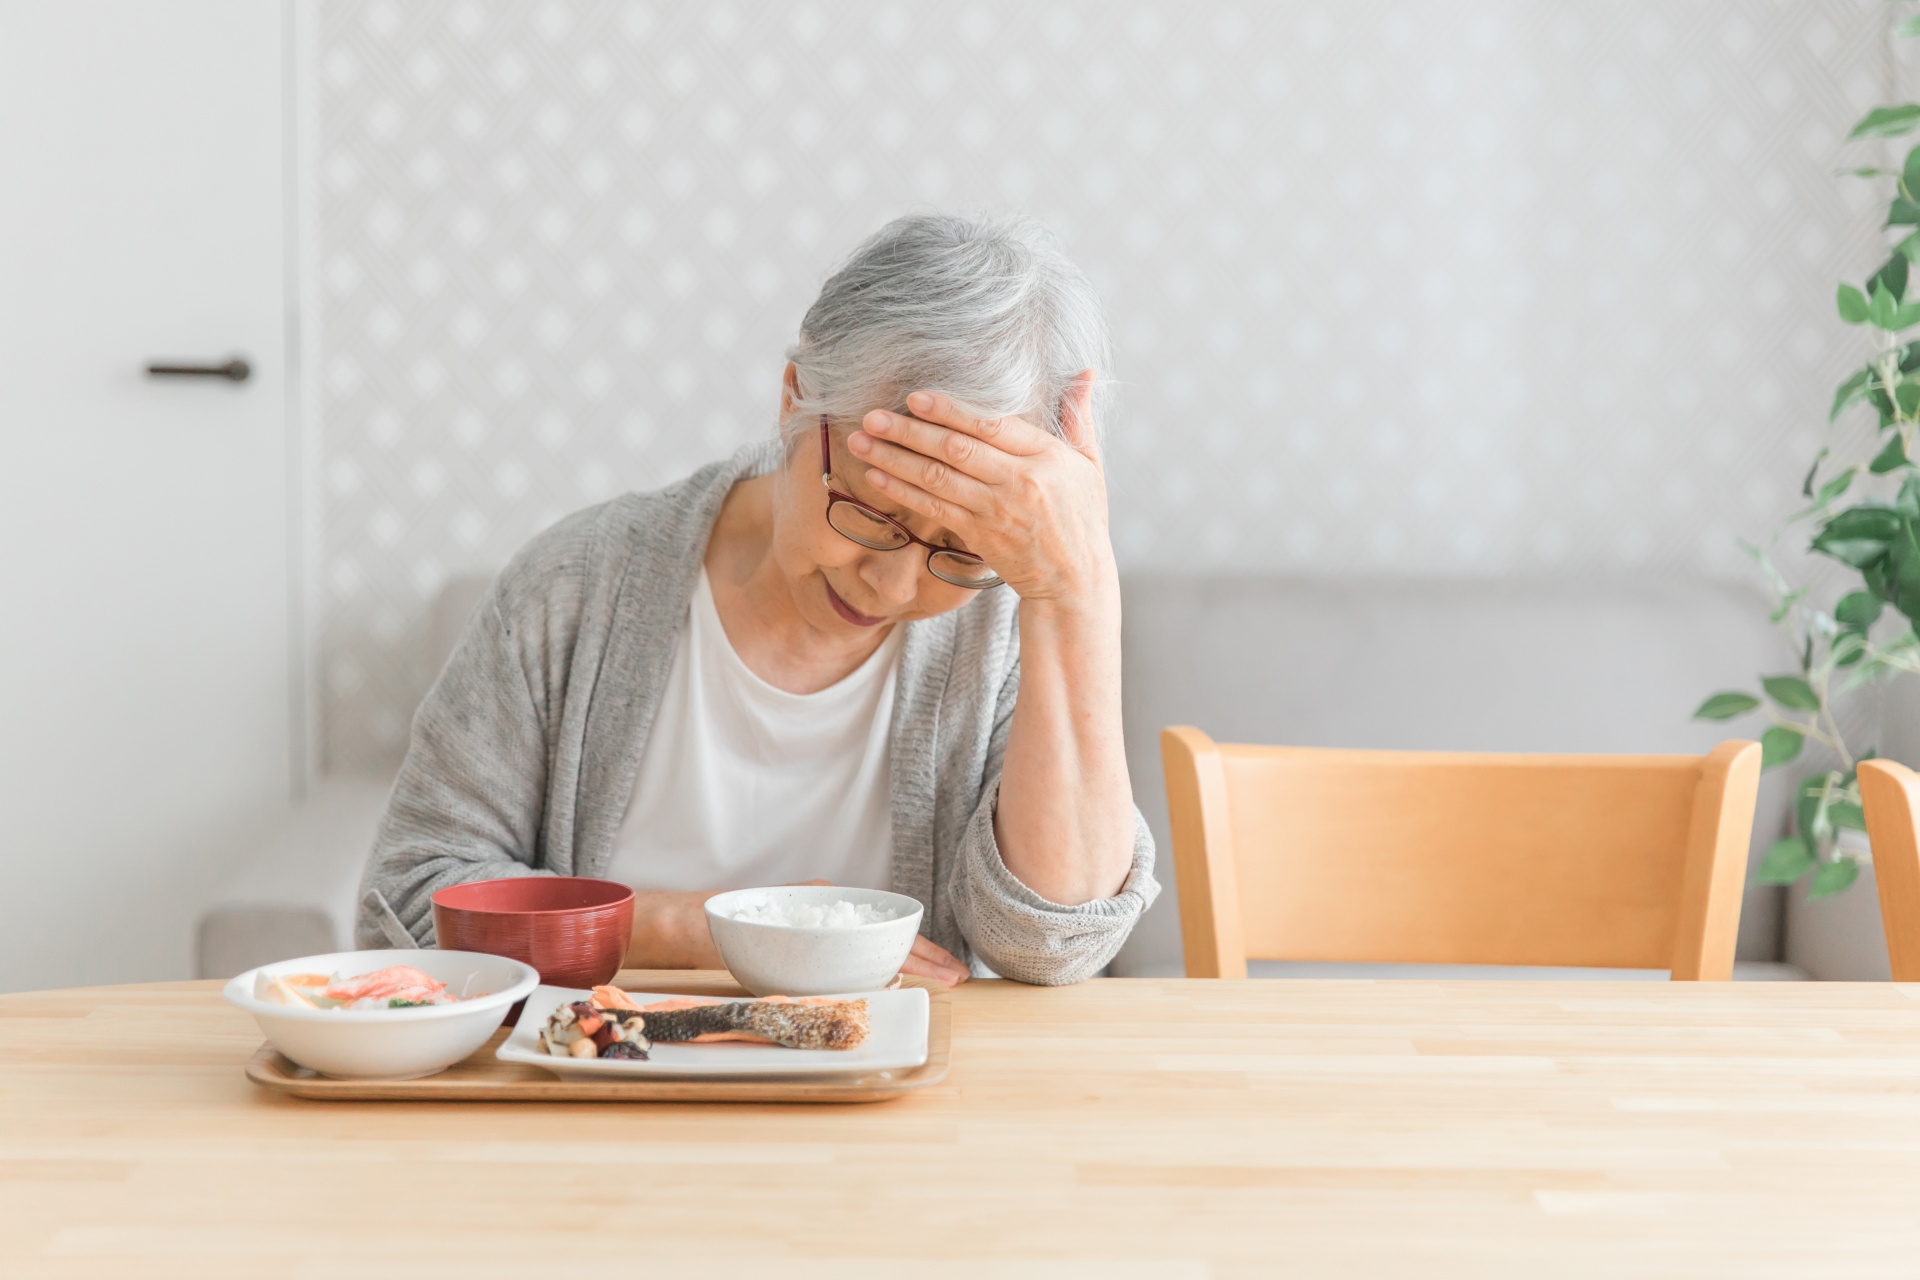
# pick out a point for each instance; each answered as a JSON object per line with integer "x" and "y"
{"x": 1400, "y": 286}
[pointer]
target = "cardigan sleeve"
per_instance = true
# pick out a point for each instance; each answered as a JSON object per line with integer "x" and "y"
{"x": 1018, "y": 933}
{"x": 468, "y": 802}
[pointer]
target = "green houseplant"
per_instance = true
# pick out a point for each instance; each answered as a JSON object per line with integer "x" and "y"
{"x": 1864, "y": 517}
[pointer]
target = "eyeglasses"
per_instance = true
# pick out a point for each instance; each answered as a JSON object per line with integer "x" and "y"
{"x": 857, "y": 522}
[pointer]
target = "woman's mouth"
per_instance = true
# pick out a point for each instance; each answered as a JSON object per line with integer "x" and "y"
{"x": 846, "y": 610}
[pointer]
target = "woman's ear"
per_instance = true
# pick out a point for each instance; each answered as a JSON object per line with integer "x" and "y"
{"x": 1076, "y": 412}
{"x": 789, "y": 388}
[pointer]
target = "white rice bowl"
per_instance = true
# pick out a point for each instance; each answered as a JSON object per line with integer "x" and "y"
{"x": 813, "y": 940}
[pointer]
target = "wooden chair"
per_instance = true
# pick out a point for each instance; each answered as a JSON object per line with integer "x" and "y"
{"x": 1290, "y": 853}
{"x": 1891, "y": 793}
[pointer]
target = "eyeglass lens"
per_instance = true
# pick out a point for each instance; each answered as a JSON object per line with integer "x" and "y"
{"x": 864, "y": 527}
{"x": 869, "y": 530}
{"x": 961, "y": 571}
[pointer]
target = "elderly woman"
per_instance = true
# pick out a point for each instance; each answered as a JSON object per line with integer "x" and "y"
{"x": 882, "y": 650}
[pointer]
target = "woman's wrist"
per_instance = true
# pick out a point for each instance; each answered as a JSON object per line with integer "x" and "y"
{"x": 1088, "y": 599}
{"x": 670, "y": 931}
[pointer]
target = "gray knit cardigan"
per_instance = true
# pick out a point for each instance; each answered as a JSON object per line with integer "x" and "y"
{"x": 524, "y": 752}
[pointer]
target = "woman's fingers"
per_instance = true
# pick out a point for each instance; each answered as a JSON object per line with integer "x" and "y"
{"x": 929, "y": 959}
{"x": 916, "y": 468}
{"x": 967, "y": 454}
{"x": 917, "y": 500}
{"x": 1076, "y": 413}
{"x": 1010, "y": 435}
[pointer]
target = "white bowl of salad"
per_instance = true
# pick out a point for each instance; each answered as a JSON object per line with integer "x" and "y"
{"x": 382, "y": 1015}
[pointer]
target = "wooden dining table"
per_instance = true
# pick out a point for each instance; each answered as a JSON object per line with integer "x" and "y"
{"x": 1116, "y": 1129}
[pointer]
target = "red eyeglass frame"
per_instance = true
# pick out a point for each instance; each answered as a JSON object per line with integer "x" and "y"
{"x": 834, "y": 495}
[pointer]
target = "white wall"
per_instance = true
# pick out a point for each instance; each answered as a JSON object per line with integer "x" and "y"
{"x": 1478, "y": 287}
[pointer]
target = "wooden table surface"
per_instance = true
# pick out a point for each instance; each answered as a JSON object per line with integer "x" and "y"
{"x": 1119, "y": 1129}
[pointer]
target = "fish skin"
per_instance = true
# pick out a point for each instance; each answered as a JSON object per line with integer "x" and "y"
{"x": 793, "y": 1026}
{"x": 809, "y": 1022}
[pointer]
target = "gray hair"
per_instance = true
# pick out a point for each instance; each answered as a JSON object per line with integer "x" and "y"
{"x": 986, "y": 309}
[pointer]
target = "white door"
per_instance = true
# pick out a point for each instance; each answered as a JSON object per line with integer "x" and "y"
{"x": 145, "y": 692}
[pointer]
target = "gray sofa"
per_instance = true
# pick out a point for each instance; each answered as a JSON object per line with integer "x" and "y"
{"x": 1551, "y": 664}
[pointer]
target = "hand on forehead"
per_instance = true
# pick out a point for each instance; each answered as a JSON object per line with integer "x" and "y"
{"x": 933, "y": 418}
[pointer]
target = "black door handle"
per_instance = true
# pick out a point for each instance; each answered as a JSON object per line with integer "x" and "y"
{"x": 234, "y": 370}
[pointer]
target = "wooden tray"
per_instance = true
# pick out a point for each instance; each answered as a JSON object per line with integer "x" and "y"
{"x": 481, "y": 1077}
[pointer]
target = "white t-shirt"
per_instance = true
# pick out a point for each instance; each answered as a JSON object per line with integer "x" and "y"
{"x": 742, "y": 784}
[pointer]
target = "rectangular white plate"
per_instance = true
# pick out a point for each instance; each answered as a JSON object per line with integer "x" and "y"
{"x": 897, "y": 1039}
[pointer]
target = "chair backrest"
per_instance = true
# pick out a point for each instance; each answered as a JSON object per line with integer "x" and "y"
{"x": 1891, "y": 794}
{"x": 1456, "y": 858}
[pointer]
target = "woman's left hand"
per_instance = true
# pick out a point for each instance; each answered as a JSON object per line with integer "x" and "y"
{"x": 1032, "y": 505}
{"x": 929, "y": 959}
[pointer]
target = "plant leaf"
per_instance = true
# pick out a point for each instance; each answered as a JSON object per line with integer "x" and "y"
{"x": 1806, "y": 486}
{"x": 1902, "y": 213}
{"x": 1808, "y": 801}
{"x": 1876, "y": 522}
{"x": 1858, "y": 609}
{"x": 1908, "y": 26}
{"x": 1850, "y": 393}
{"x": 1848, "y": 648}
{"x": 1903, "y": 551}
{"x": 1891, "y": 458}
{"x": 1831, "y": 878}
{"x": 1725, "y": 706}
{"x": 1908, "y": 501}
{"x": 1779, "y": 744}
{"x": 1838, "y": 485}
{"x": 1853, "y": 304}
{"x": 1881, "y": 307}
{"x": 1874, "y": 574}
{"x": 1887, "y": 122}
{"x": 1785, "y": 861}
{"x": 1893, "y": 272}
{"x": 1791, "y": 692}
{"x": 1903, "y": 318}
{"x": 1857, "y": 552}
{"x": 1850, "y": 816}
{"x": 1910, "y": 246}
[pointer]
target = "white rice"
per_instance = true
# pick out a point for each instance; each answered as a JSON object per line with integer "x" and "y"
{"x": 804, "y": 915}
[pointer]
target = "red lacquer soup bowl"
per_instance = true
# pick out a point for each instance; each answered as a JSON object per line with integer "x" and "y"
{"x": 572, "y": 929}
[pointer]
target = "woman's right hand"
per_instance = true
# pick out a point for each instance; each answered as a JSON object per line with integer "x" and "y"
{"x": 670, "y": 931}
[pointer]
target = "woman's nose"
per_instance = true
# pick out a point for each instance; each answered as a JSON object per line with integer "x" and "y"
{"x": 894, "y": 576}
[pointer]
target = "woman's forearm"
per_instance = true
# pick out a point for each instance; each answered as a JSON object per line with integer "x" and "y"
{"x": 670, "y": 932}
{"x": 1065, "y": 821}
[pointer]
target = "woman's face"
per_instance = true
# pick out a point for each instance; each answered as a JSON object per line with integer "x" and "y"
{"x": 839, "y": 585}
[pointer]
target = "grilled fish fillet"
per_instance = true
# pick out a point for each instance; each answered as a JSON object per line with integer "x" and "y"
{"x": 812, "y": 1023}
